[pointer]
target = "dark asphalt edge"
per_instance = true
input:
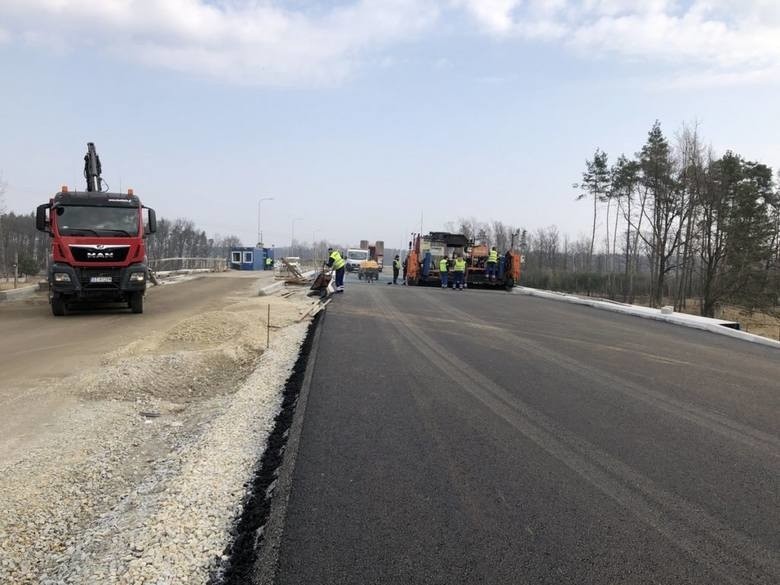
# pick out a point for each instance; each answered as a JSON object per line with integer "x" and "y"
{"x": 267, "y": 559}
{"x": 256, "y": 521}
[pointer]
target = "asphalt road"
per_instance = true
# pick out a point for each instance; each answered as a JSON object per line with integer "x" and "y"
{"x": 483, "y": 437}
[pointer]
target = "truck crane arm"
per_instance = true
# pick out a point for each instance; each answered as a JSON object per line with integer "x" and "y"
{"x": 92, "y": 169}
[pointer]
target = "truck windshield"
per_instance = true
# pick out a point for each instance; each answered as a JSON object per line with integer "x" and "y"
{"x": 83, "y": 220}
{"x": 357, "y": 254}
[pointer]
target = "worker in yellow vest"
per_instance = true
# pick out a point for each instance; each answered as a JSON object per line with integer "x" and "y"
{"x": 459, "y": 273}
{"x": 443, "y": 265}
{"x": 337, "y": 263}
{"x": 491, "y": 268}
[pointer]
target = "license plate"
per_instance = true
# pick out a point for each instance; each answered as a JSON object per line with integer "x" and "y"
{"x": 100, "y": 279}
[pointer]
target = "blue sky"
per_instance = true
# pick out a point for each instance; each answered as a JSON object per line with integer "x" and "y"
{"x": 358, "y": 116}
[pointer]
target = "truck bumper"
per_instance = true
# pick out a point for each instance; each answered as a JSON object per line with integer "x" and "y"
{"x": 110, "y": 284}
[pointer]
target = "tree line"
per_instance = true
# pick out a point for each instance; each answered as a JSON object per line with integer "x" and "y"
{"x": 677, "y": 222}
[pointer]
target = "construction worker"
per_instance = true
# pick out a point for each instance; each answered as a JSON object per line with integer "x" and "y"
{"x": 396, "y": 268}
{"x": 269, "y": 263}
{"x": 459, "y": 273}
{"x": 443, "y": 272}
{"x": 492, "y": 264}
{"x": 337, "y": 263}
{"x": 406, "y": 268}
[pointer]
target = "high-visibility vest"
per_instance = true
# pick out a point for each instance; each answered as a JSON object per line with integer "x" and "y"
{"x": 460, "y": 265}
{"x": 268, "y": 261}
{"x": 443, "y": 265}
{"x": 338, "y": 261}
{"x": 493, "y": 256}
{"x": 396, "y": 264}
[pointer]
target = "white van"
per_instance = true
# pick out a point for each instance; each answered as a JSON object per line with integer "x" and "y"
{"x": 354, "y": 257}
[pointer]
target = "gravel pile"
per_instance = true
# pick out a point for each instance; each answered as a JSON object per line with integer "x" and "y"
{"x": 142, "y": 481}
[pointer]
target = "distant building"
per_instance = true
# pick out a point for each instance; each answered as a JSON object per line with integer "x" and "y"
{"x": 251, "y": 258}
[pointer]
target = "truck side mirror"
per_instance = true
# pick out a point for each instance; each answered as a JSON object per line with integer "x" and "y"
{"x": 151, "y": 223}
{"x": 41, "y": 221}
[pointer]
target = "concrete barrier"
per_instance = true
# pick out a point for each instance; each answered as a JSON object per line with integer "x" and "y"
{"x": 693, "y": 321}
{"x": 22, "y": 292}
{"x": 270, "y": 289}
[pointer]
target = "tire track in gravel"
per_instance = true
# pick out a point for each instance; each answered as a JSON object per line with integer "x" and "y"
{"x": 729, "y": 553}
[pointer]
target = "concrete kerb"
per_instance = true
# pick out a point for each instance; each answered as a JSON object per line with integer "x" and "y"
{"x": 270, "y": 289}
{"x": 19, "y": 293}
{"x": 692, "y": 321}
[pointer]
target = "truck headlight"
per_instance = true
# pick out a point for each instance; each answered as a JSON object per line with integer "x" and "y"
{"x": 137, "y": 277}
{"x": 61, "y": 277}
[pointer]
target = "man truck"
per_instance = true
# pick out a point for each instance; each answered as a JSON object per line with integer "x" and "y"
{"x": 97, "y": 243}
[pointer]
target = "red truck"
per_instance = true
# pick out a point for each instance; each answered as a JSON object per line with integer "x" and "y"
{"x": 97, "y": 244}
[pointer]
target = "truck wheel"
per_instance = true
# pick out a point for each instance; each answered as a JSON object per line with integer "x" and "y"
{"x": 509, "y": 283}
{"x": 137, "y": 302}
{"x": 58, "y": 307}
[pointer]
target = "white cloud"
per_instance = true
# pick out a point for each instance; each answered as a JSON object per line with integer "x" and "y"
{"x": 495, "y": 15}
{"x": 252, "y": 41}
{"x": 297, "y": 41}
{"x": 727, "y": 41}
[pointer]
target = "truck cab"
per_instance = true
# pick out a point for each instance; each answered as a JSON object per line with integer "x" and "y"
{"x": 97, "y": 248}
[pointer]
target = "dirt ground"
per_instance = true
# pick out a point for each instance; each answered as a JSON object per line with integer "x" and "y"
{"x": 766, "y": 324}
{"x": 102, "y": 457}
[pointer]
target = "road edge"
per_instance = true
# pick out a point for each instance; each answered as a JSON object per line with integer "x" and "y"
{"x": 264, "y": 571}
{"x": 700, "y": 323}
{"x": 15, "y": 294}
{"x": 270, "y": 289}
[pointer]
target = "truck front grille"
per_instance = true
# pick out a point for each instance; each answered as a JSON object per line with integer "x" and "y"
{"x": 103, "y": 253}
{"x": 87, "y": 275}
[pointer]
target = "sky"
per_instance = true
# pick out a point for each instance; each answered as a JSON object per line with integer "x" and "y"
{"x": 364, "y": 119}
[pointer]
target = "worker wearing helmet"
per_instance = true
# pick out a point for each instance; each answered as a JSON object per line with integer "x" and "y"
{"x": 337, "y": 263}
{"x": 443, "y": 272}
{"x": 396, "y": 269}
{"x": 492, "y": 264}
{"x": 459, "y": 273}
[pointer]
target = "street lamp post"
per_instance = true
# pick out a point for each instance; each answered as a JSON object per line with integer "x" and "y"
{"x": 292, "y": 233}
{"x": 259, "y": 228}
{"x": 314, "y": 245}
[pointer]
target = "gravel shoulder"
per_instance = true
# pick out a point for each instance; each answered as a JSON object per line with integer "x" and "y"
{"x": 138, "y": 473}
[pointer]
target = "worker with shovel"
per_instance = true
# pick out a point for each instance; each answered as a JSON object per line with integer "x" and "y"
{"x": 337, "y": 263}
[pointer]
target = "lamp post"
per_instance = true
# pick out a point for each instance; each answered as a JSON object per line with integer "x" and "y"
{"x": 314, "y": 245}
{"x": 260, "y": 229}
{"x": 292, "y": 233}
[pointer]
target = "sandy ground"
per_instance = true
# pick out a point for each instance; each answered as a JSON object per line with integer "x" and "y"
{"x": 137, "y": 470}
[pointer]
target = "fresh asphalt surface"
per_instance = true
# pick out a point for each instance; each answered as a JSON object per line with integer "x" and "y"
{"x": 483, "y": 437}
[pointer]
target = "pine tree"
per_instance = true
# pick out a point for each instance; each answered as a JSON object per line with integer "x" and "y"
{"x": 595, "y": 184}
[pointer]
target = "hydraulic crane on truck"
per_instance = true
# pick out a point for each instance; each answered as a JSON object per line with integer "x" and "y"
{"x": 98, "y": 252}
